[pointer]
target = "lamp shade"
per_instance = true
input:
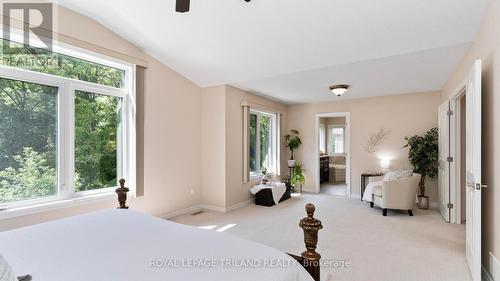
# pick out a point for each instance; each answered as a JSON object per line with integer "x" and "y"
{"x": 385, "y": 164}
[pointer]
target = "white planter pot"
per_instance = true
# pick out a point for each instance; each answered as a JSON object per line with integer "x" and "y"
{"x": 291, "y": 163}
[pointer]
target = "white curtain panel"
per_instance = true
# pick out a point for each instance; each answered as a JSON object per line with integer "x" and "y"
{"x": 278, "y": 144}
{"x": 246, "y": 173}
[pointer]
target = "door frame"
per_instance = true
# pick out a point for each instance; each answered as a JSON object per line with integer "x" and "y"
{"x": 347, "y": 116}
{"x": 444, "y": 165}
{"x": 455, "y": 145}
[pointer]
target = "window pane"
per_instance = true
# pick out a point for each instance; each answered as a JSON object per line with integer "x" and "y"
{"x": 28, "y": 126}
{"x": 97, "y": 135}
{"x": 252, "y": 128}
{"x": 36, "y": 59}
{"x": 336, "y": 140}
{"x": 265, "y": 142}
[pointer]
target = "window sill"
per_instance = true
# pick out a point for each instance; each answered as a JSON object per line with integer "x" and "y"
{"x": 54, "y": 205}
{"x": 256, "y": 176}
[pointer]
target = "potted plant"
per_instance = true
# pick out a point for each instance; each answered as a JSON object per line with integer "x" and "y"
{"x": 298, "y": 177}
{"x": 287, "y": 181}
{"x": 264, "y": 180}
{"x": 423, "y": 155}
{"x": 292, "y": 141}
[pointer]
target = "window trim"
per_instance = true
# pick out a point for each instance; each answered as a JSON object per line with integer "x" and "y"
{"x": 17, "y": 35}
{"x": 323, "y": 139}
{"x": 65, "y": 189}
{"x": 274, "y": 143}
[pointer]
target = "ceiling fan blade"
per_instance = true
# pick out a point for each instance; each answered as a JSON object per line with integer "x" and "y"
{"x": 182, "y": 6}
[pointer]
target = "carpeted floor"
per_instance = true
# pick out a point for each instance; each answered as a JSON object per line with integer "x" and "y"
{"x": 392, "y": 248}
{"x": 333, "y": 189}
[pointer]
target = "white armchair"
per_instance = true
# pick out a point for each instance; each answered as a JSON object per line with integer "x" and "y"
{"x": 399, "y": 194}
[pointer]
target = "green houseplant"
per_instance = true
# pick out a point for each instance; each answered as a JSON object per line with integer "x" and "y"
{"x": 298, "y": 177}
{"x": 423, "y": 155}
{"x": 287, "y": 180}
{"x": 264, "y": 179}
{"x": 292, "y": 141}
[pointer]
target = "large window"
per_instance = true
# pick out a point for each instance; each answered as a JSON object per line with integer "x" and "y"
{"x": 28, "y": 140}
{"x": 263, "y": 144}
{"x": 66, "y": 125}
{"x": 35, "y": 59}
{"x": 97, "y": 138}
{"x": 336, "y": 138}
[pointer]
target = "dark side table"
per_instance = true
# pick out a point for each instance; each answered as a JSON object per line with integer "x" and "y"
{"x": 364, "y": 178}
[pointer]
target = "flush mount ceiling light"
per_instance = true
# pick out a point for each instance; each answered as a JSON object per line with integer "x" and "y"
{"x": 339, "y": 90}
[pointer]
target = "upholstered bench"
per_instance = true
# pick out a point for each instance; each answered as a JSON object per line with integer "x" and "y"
{"x": 264, "y": 194}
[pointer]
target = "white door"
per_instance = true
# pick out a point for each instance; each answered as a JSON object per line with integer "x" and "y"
{"x": 473, "y": 167}
{"x": 444, "y": 165}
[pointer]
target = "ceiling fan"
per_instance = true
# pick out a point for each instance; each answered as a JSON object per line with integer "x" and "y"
{"x": 182, "y": 6}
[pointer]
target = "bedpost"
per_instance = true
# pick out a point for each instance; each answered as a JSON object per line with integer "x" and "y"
{"x": 122, "y": 194}
{"x": 311, "y": 226}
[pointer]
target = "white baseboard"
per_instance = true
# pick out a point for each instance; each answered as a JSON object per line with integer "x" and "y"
{"x": 206, "y": 207}
{"x": 239, "y": 205}
{"x": 494, "y": 268}
{"x": 181, "y": 212}
{"x": 485, "y": 275}
{"x": 434, "y": 204}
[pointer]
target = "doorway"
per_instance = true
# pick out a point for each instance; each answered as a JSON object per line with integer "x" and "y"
{"x": 332, "y": 134}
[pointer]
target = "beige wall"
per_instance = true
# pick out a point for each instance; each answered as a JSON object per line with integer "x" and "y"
{"x": 236, "y": 191}
{"x": 172, "y": 130}
{"x": 213, "y": 146}
{"x": 335, "y": 121}
{"x": 403, "y": 115}
{"x": 486, "y": 48}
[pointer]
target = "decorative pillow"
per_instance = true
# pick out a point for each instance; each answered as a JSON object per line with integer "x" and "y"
{"x": 391, "y": 176}
{"x": 407, "y": 173}
{"x": 6, "y": 273}
{"x": 396, "y": 175}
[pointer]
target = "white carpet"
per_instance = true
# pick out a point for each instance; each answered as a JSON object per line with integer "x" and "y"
{"x": 392, "y": 248}
{"x": 333, "y": 189}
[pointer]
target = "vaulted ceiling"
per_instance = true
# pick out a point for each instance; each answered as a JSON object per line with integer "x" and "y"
{"x": 292, "y": 50}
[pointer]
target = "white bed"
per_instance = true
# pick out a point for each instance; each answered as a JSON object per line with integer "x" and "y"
{"x": 121, "y": 244}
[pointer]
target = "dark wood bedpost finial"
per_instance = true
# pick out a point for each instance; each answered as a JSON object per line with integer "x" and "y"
{"x": 311, "y": 226}
{"x": 122, "y": 195}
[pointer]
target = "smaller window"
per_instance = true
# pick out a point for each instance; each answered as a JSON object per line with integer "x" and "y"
{"x": 263, "y": 142}
{"x": 336, "y": 138}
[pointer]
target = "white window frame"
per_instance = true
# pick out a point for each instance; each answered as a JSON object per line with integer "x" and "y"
{"x": 328, "y": 134}
{"x": 273, "y": 143}
{"x": 65, "y": 190}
